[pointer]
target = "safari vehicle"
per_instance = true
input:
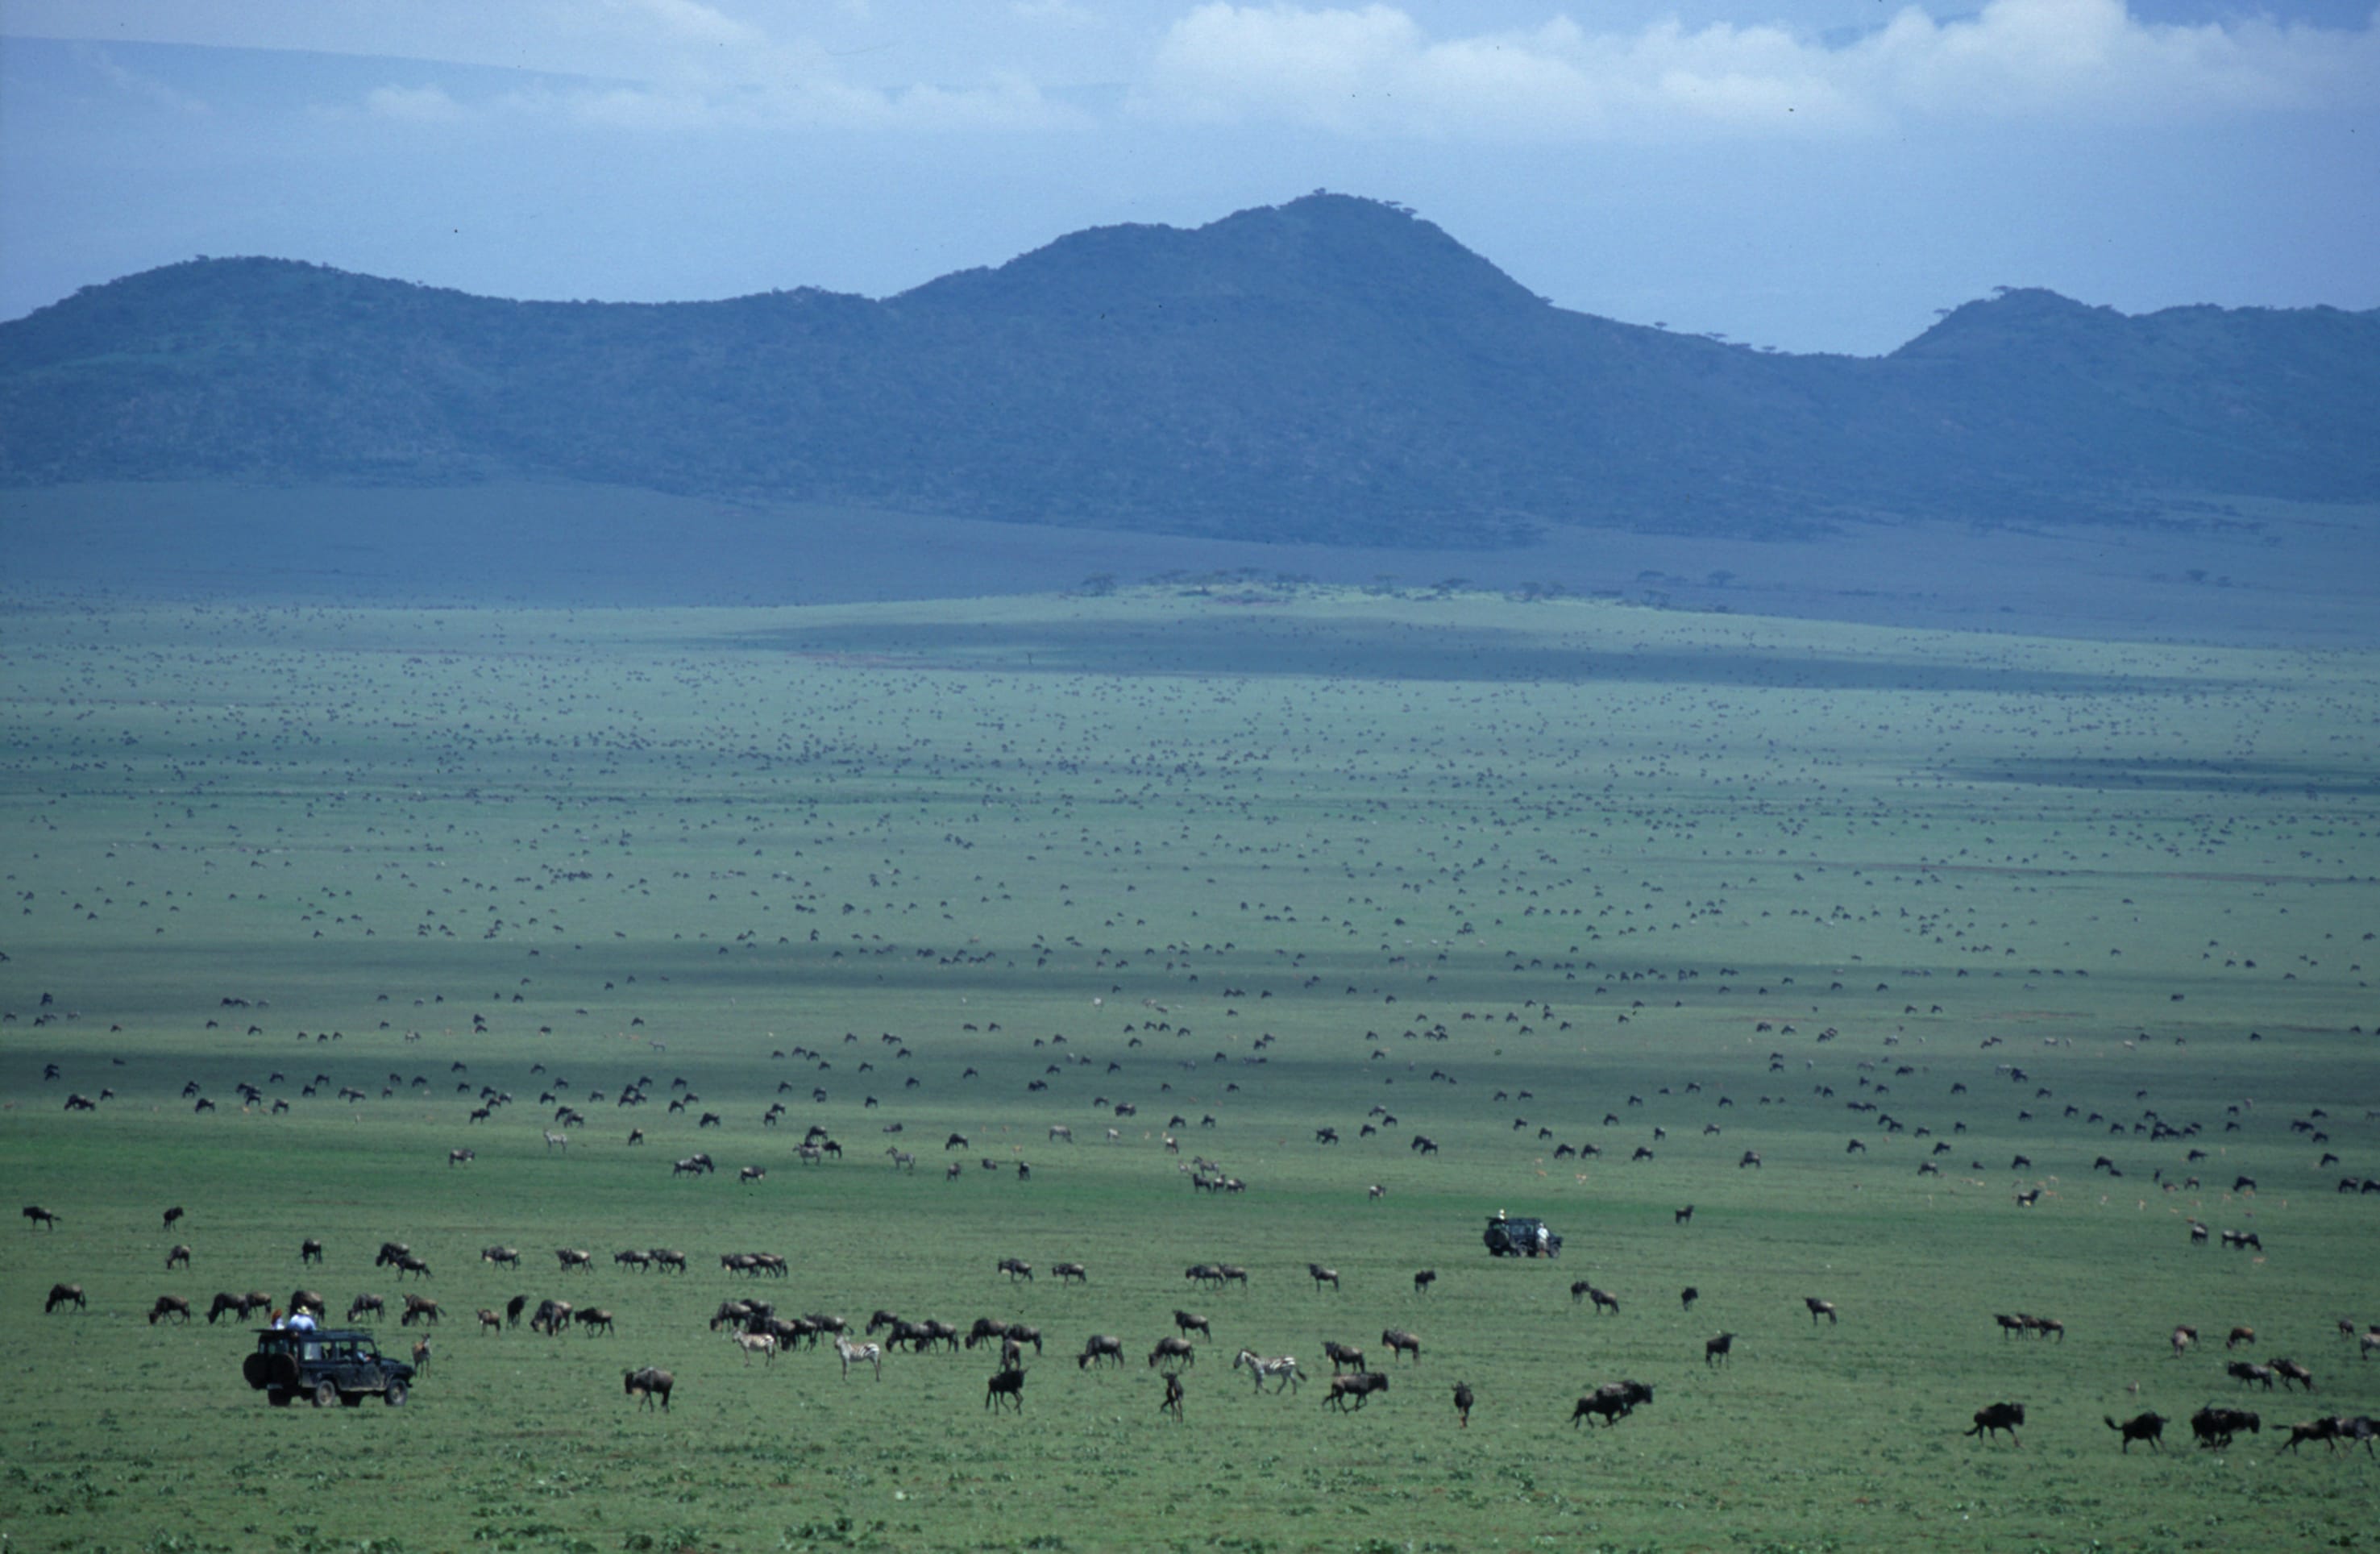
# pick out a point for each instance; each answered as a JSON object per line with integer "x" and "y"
{"x": 329, "y": 1365}
{"x": 1522, "y": 1238}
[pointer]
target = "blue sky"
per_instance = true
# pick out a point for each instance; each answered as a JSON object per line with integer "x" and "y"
{"x": 1817, "y": 175}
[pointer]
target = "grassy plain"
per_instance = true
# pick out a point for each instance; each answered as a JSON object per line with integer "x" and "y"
{"x": 1524, "y": 876}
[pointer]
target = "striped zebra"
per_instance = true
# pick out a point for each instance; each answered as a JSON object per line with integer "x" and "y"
{"x": 1282, "y": 1367}
{"x": 866, "y": 1354}
{"x": 762, "y": 1344}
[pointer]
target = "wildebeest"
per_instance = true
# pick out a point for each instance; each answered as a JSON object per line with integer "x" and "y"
{"x": 1172, "y": 1403}
{"x": 648, "y": 1384}
{"x": 1611, "y": 1402}
{"x": 2247, "y": 1373}
{"x": 1322, "y": 1276}
{"x": 1687, "y": 1296}
{"x": 2043, "y": 1325}
{"x": 418, "y": 1309}
{"x": 366, "y": 1306}
{"x": 1717, "y": 1349}
{"x": 2288, "y": 1371}
{"x": 2240, "y": 1336}
{"x": 1359, "y": 1386}
{"x": 1071, "y": 1273}
{"x": 1097, "y": 1347}
{"x": 169, "y": 1305}
{"x": 1998, "y": 1416}
{"x": 1423, "y": 1280}
{"x": 39, "y": 1218}
{"x": 1604, "y": 1300}
{"x": 551, "y": 1318}
{"x": 1008, "y": 1383}
{"x": 490, "y": 1321}
{"x": 1819, "y": 1309}
{"x": 2215, "y": 1426}
{"x": 2182, "y": 1339}
{"x": 226, "y": 1303}
{"x": 179, "y": 1256}
{"x": 2141, "y": 1427}
{"x": 513, "y": 1309}
{"x": 66, "y": 1294}
{"x": 574, "y": 1257}
{"x": 1463, "y": 1401}
{"x": 1401, "y": 1342}
{"x": 1187, "y": 1322}
{"x": 1016, "y": 1269}
{"x": 1171, "y": 1350}
{"x": 595, "y": 1316}
{"x": 309, "y": 1251}
{"x": 172, "y": 1215}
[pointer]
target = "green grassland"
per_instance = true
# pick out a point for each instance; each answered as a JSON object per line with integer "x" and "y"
{"x": 1525, "y": 878}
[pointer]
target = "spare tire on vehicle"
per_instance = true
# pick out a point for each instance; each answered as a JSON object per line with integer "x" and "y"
{"x": 282, "y": 1369}
{"x": 257, "y": 1371}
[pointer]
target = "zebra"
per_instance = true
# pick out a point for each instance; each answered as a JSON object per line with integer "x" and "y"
{"x": 557, "y": 1141}
{"x": 868, "y": 1353}
{"x": 1282, "y": 1367}
{"x": 763, "y": 1344}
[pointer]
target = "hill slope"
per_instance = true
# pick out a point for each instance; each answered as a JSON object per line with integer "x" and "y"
{"x": 1332, "y": 370}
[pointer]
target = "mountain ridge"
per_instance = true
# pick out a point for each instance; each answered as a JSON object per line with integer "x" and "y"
{"x": 1333, "y": 369}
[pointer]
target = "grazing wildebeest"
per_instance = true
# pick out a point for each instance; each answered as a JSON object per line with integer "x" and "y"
{"x": 2197, "y": 1233}
{"x": 2215, "y": 1426}
{"x": 1423, "y": 1280}
{"x": 1424, "y": 1145}
{"x": 366, "y": 1306}
{"x": 307, "y": 1300}
{"x": 1172, "y": 1349}
{"x": 1463, "y": 1401}
{"x": 226, "y": 1303}
{"x": 2141, "y": 1427}
{"x": 169, "y": 1305}
{"x": 1071, "y": 1273}
{"x": 1359, "y": 1386}
{"x": 2246, "y": 1373}
{"x": 1687, "y": 1296}
{"x": 552, "y": 1317}
{"x": 39, "y": 1218}
{"x": 66, "y": 1294}
{"x": 309, "y": 1251}
{"x": 1008, "y": 1384}
{"x": 490, "y": 1321}
{"x": 1751, "y": 1158}
{"x": 2238, "y": 1336}
{"x": 417, "y": 1308}
{"x": 461, "y": 1157}
{"x": 2011, "y": 1327}
{"x": 1717, "y": 1349}
{"x": 1097, "y": 1347}
{"x": 1322, "y": 1276}
{"x": 986, "y": 1328}
{"x": 1998, "y": 1416}
{"x": 2182, "y": 1339}
{"x": 179, "y": 1256}
{"x": 868, "y": 1353}
{"x": 2288, "y": 1371}
{"x": 648, "y": 1384}
{"x": 1400, "y": 1342}
{"x": 1819, "y": 1309}
{"x": 1342, "y": 1356}
{"x": 1186, "y": 1323}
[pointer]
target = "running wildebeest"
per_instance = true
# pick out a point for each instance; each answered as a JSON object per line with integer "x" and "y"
{"x": 2141, "y": 1427}
{"x": 1611, "y": 1402}
{"x": 648, "y": 1384}
{"x": 1998, "y": 1416}
{"x": 2215, "y": 1426}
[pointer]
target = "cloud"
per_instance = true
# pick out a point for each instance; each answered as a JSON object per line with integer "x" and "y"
{"x": 1374, "y": 71}
{"x": 415, "y": 105}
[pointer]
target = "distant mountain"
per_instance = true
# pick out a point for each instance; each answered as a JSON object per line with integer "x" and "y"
{"x": 1331, "y": 369}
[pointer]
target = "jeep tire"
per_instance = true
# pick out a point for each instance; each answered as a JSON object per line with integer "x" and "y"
{"x": 326, "y": 1392}
{"x": 394, "y": 1396}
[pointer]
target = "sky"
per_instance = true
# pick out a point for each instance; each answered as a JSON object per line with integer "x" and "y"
{"x": 1810, "y": 174}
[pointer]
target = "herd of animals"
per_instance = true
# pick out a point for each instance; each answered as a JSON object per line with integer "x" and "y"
{"x": 754, "y": 1325}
